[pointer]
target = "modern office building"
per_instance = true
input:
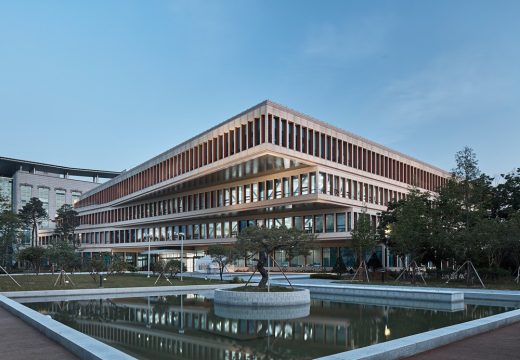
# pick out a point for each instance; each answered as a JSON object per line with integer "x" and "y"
{"x": 54, "y": 185}
{"x": 267, "y": 166}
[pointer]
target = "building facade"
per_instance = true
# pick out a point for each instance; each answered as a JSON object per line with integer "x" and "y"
{"x": 54, "y": 185}
{"x": 268, "y": 166}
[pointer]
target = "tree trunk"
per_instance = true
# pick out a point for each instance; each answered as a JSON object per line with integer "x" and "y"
{"x": 261, "y": 269}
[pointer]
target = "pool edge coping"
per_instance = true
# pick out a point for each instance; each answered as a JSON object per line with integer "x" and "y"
{"x": 83, "y": 346}
{"x": 418, "y": 343}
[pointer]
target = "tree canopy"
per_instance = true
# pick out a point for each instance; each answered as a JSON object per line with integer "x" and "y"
{"x": 222, "y": 255}
{"x": 33, "y": 214}
{"x": 468, "y": 219}
{"x": 67, "y": 220}
{"x": 262, "y": 242}
{"x": 363, "y": 236}
{"x": 10, "y": 226}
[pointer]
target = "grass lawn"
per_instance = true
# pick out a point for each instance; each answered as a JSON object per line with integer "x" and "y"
{"x": 46, "y": 282}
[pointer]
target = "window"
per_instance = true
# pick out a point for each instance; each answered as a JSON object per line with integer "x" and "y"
{"x": 278, "y": 188}
{"x": 239, "y": 195}
{"x": 196, "y": 231}
{"x": 261, "y": 191}
{"x": 316, "y": 144}
{"x": 220, "y": 198}
{"x": 321, "y": 183}
{"x": 233, "y": 196}
{"x": 305, "y": 184}
{"x": 286, "y": 190}
{"x": 227, "y": 197}
{"x": 269, "y": 185}
{"x": 295, "y": 186}
{"x": 60, "y": 198}
{"x": 308, "y": 223}
{"x": 304, "y": 139}
{"x": 276, "y": 131}
{"x": 26, "y": 193}
{"x": 257, "y": 131}
{"x": 218, "y": 230}
{"x": 298, "y": 222}
{"x": 340, "y": 222}
{"x": 284, "y": 133}
{"x": 297, "y": 137}
{"x": 226, "y": 228}
{"x": 203, "y": 231}
{"x": 329, "y": 223}
{"x": 313, "y": 183}
{"x": 248, "y": 193}
{"x": 318, "y": 223}
{"x": 43, "y": 195}
{"x": 211, "y": 231}
{"x": 291, "y": 136}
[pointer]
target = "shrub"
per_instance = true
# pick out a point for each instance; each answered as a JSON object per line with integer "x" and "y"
{"x": 237, "y": 280}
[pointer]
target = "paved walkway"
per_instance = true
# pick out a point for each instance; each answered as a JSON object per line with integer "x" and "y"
{"x": 19, "y": 341}
{"x": 502, "y": 343}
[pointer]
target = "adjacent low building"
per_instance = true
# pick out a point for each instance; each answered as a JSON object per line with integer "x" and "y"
{"x": 54, "y": 185}
{"x": 267, "y": 166}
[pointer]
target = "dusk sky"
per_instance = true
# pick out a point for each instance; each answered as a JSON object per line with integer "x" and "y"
{"x": 110, "y": 84}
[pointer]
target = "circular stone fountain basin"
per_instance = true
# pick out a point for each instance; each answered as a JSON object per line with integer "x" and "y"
{"x": 278, "y": 298}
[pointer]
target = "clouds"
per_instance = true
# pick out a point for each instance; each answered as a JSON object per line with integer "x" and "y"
{"x": 352, "y": 40}
{"x": 464, "y": 85}
{"x": 467, "y": 96}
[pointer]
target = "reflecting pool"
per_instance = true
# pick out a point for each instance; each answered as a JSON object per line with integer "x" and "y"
{"x": 187, "y": 327}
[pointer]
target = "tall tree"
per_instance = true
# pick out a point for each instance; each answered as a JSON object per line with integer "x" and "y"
{"x": 32, "y": 215}
{"x": 34, "y": 255}
{"x": 222, "y": 255}
{"x": 411, "y": 226}
{"x": 10, "y": 226}
{"x": 473, "y": 193}
{"x": 507, "y": 195}
{"x": 67, "y": 220}
{"x": 363, "y": 236}
{"x": 62, "y": 253}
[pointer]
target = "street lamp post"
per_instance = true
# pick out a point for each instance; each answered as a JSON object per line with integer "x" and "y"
{"x": 182, "y": 254}
{"x": 148, "y": 257}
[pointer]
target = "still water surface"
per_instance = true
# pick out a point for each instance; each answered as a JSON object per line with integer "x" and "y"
{"x": 186, "y": 326}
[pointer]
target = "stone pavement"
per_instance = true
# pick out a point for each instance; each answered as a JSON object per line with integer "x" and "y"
{"x": 502, "y": 343}
{"x": 20, "y": 341}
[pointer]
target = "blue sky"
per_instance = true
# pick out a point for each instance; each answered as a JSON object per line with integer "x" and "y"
{"x": 110, "y": 84}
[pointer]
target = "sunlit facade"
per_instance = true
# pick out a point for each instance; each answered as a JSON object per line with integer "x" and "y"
{"x": 267, "y": 166}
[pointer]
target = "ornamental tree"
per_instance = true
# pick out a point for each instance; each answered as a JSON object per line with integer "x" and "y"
{"x": 222, "y": 255}
{"x": 262, "y": 242}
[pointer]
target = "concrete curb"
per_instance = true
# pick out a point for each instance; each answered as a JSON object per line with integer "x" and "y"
{"x": 79, "y": 344}
{"x": 386, "y": 292}
{"x": 144, "y": 291}
{"x": 414, "y": 344}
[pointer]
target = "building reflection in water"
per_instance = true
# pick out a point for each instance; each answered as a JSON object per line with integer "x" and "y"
{"x": 188, "y": 327}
